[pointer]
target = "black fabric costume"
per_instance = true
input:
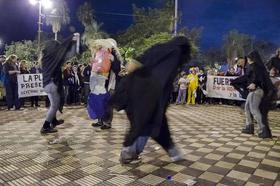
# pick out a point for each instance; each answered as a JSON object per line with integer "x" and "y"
{"x": 54, "y": 55}
{"x": 144, "y": 94}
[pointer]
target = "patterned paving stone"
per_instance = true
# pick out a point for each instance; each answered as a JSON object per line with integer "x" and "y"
{"x": 214, "y": 150}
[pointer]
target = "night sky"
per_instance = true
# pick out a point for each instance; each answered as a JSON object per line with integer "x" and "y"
{"x": 261, "y": 18}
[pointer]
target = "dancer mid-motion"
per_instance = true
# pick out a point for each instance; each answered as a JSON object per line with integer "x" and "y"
{"x": 145, "y": 93}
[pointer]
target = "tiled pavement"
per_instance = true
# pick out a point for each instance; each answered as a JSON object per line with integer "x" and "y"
{"x": 215, "y": 151}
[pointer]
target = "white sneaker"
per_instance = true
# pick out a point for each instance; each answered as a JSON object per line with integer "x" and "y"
{"x": 174, "y": 154}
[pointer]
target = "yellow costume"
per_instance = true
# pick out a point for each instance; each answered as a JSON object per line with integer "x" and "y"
{"x": 193, "y": 84}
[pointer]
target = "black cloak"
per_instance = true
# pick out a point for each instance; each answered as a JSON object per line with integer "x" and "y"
{"x": 54, "y": 55}
{"x": 144, "y": 94}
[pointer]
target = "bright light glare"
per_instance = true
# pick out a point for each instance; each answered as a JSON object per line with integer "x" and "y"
{"x": 47, "y": 4}
{"x": 33, "y": 2}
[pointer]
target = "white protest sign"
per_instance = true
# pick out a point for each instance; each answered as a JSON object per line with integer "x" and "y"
{"x": 220, "y": 87}
{"x": 30, "y": 85}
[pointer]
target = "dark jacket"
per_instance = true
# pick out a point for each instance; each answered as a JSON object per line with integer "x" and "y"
{"x": 86, "y": 73}
{"x": 33, "y": 70}
{"x": 54, "y": 55}
{"x": 10, "y": 78}
{"x": 274, "y": 62}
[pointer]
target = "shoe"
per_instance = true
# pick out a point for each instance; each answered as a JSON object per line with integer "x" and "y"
{"x": 249, "y": 129}
{"x": 265, "y": 133}
{"x": 127, "y": 157}
{"x": 47, "y": 130}
{"x": 56, "y": 122}
{"x": 19, "y": 109}
{"x": 98, "y": 124}
{"x": 174, "y": 154}
{"x": 104, "y": 127}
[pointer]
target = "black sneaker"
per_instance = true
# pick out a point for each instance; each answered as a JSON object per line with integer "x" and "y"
{"x": 56, "y": 122}
{"x": 249, "y": 129}
{"x": 47, "y": 130}
{"x": 104, "y": 127}
{"x": 266, "y": 133}
{"x": 98, "y": 124}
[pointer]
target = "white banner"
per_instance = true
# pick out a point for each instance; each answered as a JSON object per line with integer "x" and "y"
{"x": 30, "y": 85}
{"x": 219, "y": 87}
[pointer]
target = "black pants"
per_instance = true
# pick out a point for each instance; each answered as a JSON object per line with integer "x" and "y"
{"x": 34, "y": 100}
{"x": 200, "y": 96}
{"x": 12, "y": 96}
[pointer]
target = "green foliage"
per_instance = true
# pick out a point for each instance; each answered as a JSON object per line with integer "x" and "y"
{"x": 92, "y": 30}
{"x": 58, "y": 17}
{"x": 237, "y": 44}
{"x": 25, "y": 50}
{"x": 127, "y": 52}
{"x": 153, "y": 40}
{"x": 85, "y": 57}
{"x": 147, "y": 22}
{"x": 85, "y": 14}
{"x": 153, "y": 26}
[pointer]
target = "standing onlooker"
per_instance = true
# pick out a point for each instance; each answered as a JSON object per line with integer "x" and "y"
{"x": 183, "y": 83}
{"x": 2, "y": 60}
{"x": 86, "y": 75}
{"x": 11, "y": 70}
{"x": 275, "y": 61}
{"x": 23, "y": 70}
{"x": 241, "y": 66}
{"x": 66, "y": 81}
{"x": 81, "y": 69}
{"x": 175, "y": 89}
{"x": 75, "y": 85}
{"x": 193, "y": 84}
{"x": 231, "y": 72}
{"x": 201, "y": 92}
{"x": 35, "y": 70}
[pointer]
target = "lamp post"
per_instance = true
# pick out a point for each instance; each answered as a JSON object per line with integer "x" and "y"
{"x": 176, "y": 18}
{"x": 42, "y": 3}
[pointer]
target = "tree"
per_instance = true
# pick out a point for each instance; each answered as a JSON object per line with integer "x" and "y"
{"x": 212, "y": 56}
{"x": 58, "y": 17}
{"x": 147, "y": 22}
{"x": 153, "y": 26}
{"x": 25, "y": 50}
{"x": 92, "y": 30}
{"x": 266, "y": 49}
{"x": 237, "y": 44}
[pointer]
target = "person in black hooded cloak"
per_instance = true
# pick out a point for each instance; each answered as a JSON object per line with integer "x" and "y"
{"x": 144, "y": 95}
{"x": 261, "y": 93}
{"x": 54, "y": 54}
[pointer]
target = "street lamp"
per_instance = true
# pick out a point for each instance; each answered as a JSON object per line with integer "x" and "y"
{"x": 175, "y": 18}
{"x": 42, "y": 3}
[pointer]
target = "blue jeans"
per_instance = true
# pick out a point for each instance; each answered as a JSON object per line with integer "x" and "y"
{"x": 252, "y": 110}
{"x": 53, "y": 95}
{"x": 181, "y": 96}
{"x": 139, "y": 145}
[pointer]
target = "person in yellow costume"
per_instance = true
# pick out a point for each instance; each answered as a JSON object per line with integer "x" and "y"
{"x": 193, "y": 85}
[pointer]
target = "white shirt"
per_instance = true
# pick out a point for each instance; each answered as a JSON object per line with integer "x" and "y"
{"x": 183, "y": 83}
